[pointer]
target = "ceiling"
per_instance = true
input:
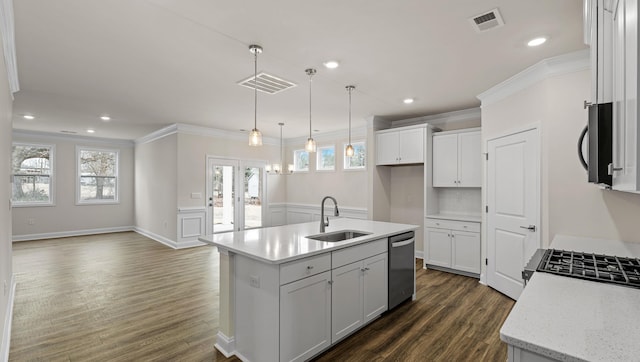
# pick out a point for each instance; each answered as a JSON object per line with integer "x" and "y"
{"x": 152, "y": 63}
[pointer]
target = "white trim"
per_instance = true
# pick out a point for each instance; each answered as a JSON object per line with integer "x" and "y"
{"x": 226, "y": 345}
{"x": 218, "y": 133}
{"x": 6, "y": 330}
{"x": 52, "y": 175}
{"x": 64, "y": 234}
{"x": 360, "y": 132}
{"x": 50, "y": 137}
{"x": 395, "y": 129}
{"x": 462, "y": 115}
{"x": 420, "y": 255}
{"x": 191, "y": 209}
{"x": 159, "y": 238}
{"x": 156, "y": 135}
{"x": 457, "y": 131}
{"x": 191, "y": 225}
{"x": 7, "y": 31}
{"x": 79, "y": 200}
{"x": 562, "y": 64}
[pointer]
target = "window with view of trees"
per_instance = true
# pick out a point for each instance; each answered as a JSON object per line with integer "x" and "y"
{"x": 97, "y": 176}
{"x": 326, "y": 158}
{"x": 359, "y": 158}
{"x": 32, "y": 174}
{"x": 300, "y": 160}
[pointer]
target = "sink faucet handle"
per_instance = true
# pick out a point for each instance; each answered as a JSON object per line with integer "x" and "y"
{"x": 336, "y": 212}
{"x": 327, "y": 222}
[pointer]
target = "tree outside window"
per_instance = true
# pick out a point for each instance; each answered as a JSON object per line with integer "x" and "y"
{"x": 32, "y": 172}
{"x": 97, "y": 176}
{"x": 326, "y": 158}
{"x": 359, "y": 158}
{"x": 300, "y": 160}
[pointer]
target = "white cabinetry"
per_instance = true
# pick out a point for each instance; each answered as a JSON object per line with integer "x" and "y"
{"x": 457, "y": 159}
{"x": 400, "y": 146}
{"x": 598, "y": 34}
{"x": 454, "y": 245}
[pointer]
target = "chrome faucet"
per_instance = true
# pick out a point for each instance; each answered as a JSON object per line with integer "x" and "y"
{"x": 324, "y": 224}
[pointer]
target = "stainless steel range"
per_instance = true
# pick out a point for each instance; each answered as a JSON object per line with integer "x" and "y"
{"x": 589, "y": 266}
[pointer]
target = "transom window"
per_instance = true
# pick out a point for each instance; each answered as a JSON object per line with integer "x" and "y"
{"x": 300, "y": 160}
{"x": 32, "y": 174}
{"x": 359, "y": 159}
{"x": 97, "y": 176}
{"x": 326, "y": 158}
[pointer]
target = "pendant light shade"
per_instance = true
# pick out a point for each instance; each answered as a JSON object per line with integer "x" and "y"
{"x": 278, "y": 168}
{"x": 255, "y": 136}
{"x": 310, "y": 146}
{"x": 349, "y": 151}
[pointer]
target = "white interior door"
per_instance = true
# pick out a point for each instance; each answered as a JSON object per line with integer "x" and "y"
{"x": 236, "y": 194}
{"x": 513, "y": 198}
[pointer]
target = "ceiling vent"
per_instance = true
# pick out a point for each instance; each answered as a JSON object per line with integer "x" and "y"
{"x": 267, "y": 83}
{"x": 487, "y": 21}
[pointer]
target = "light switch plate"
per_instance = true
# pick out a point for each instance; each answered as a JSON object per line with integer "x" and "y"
{"x": 196, "y": 195}
{"x": 254, "y": 281}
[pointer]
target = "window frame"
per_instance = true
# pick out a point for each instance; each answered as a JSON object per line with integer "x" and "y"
{"x": 345, "y": 158}
{"x": 52, "y": 188}
{"x": 295, "y": 164}
{"x": 116, "y": 199}
{"x": 319, "y": 156}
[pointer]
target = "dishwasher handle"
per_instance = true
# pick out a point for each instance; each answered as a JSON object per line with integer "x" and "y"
{"x": 402, "y": 243}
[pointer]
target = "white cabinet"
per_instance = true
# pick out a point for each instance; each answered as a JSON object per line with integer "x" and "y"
{"x": 452, "y": 244}
{"x": 457, "y": 159}
{"x": 305, "y": 324}
{"x": 598, "y": 34}
{"x": 400, "y": 146}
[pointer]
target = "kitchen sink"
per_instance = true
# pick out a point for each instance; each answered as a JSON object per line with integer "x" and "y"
{"x": 336, "y": 236}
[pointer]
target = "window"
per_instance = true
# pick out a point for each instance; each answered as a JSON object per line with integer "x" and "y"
{"x": 32, "y": 170}
{"x": 359, "y": 158}
{"x": 97, "y": 176}
{"x": 326, "y": 158}
{"x": 300, "y": 160}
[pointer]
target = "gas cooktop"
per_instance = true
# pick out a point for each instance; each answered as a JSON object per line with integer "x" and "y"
{"x": 600, "y": 268}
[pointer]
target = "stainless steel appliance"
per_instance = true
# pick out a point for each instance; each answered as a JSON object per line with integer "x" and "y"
{"x": 600, "y": 151}
{"x": 596, "y": 267}
{"x": 401, "y": 268}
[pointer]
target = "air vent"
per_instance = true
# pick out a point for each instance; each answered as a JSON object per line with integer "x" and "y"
{"x": 487, "y": 21}
{"x": 267, "y": 83}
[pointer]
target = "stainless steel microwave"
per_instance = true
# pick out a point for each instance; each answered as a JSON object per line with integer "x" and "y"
{"x": 599, "y": 130}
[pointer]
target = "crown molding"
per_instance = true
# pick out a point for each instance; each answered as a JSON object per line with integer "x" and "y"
{"x": 356, "y": 133}
{"x": 184, "y": 128}
{"x": 7, "y": 31}
{"x": 470, "y": 114}
{"x": 562, "y": 64}
{"x": 20, "y": 133}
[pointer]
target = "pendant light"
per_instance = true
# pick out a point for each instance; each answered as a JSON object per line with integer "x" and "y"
{"x": 310, "y": 146}
{"x": 349, "y": 150}
{"x": 278, "y": 168}
{"x": 255, "y": 136}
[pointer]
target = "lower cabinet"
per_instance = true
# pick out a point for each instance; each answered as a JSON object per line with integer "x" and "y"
{"x": 454, "y": 245}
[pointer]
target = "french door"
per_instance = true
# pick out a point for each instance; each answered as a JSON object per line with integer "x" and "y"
{"x": 236, "y": 195}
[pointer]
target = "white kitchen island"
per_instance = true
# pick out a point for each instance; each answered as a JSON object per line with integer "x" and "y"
{"x": 558, "y": 318}
{"x": 286, "y": 297}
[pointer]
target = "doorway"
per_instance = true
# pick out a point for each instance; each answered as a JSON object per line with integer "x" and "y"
{"x": 236, "y": 195}
{"x": 513, "y": 201}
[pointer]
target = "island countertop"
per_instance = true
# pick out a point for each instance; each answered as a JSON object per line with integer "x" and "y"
{"x": 280, "y": 244}
{"x": 569, "y": 319}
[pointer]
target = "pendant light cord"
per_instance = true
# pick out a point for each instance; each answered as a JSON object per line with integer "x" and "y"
{"x": 255, "y": 90}
{"x": 350, "y": 88}
{"x": 310, "y": 76}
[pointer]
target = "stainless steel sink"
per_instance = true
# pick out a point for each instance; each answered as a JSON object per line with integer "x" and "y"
{"x": 336, "y": 236}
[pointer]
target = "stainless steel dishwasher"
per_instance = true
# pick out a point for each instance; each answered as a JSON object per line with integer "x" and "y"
{"x": 401, "y": 267}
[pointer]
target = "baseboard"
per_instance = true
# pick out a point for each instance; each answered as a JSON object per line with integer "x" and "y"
{"x": 65, "y": 234}
{"x": 6, "y": 330}
{"x": 419, "y": 254}
{"x": 454, "y": 271}
{"x": 159, "y": 238}
{"x": 189, "y": 244}
{"x": 226, "y": 345}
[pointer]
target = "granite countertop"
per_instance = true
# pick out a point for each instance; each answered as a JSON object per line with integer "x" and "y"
{"x": 458, "y": 217}
{"x": 280, "y": 244}
{"x": 570, "y": 319}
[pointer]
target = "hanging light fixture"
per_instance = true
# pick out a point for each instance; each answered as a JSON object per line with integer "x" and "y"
{"x": 349, "y": 150}
{"x": 278, "y": 168}
{"x": 310, "y": 146}
{"x": 255, "y": 136}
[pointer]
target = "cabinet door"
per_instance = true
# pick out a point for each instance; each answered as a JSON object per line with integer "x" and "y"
{"x": 375, "y": 286}
{"x": 438, "y": 247}
{"x": 445, "y": 160}
{"x": 346, "y": 297}
{"x": 387, "y": 148}
{"x": 466, "y": 251}
{"x": 305, "y": 317}
{"x": 469, "y": 160}
{"x": 411, "y": 146}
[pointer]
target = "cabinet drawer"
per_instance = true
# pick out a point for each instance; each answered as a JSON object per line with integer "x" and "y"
{"x": 358, "y": 252}
{"x": 453, "y": 225}
{"x": 298, "y": 269}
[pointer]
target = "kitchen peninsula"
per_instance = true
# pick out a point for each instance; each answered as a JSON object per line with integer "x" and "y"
{"x": 285, "y": 296}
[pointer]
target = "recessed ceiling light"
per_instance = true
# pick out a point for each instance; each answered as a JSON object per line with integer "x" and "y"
{"x": 105, "y": 118}
{"x": 408, "y": 101}
{"x": 331, "y": 64}
{"x": 537, "y": 41}
{"x": 28, "y": 116}
{"x": 91, "y": 130}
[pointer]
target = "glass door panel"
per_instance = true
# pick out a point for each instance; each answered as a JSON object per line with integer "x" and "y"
{"x": 223, "y": 197}
{"x": 253, "y": 196}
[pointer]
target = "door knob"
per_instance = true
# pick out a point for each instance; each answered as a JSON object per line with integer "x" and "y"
{"x": 530, "y": 227}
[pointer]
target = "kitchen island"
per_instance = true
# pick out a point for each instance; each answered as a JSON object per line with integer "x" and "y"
{"x": 285, "y": 296}
{"x": 559, "y": 318}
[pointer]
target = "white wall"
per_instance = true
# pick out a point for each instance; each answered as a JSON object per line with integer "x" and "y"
{"x": 407, "y": 198}
{"x": 569, "y": 204}
{"x": 6, "y": 104}
{"x": 65, "y": 217}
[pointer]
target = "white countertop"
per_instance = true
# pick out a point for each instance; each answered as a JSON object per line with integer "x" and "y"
{"x": 458, "y": 217}
{"x": 569, "y": 319}
{"x": 280, "y": 244}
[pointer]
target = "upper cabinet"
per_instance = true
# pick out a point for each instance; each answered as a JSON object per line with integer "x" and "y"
{"x": 457, "y": 159}
{"x": 400, "y": 146}
{"x": 598, "y": 34}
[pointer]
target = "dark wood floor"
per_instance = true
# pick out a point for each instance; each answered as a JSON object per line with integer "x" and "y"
{"x": 123, "y": 297}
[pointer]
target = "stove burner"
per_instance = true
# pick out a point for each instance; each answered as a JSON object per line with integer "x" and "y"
{"x": 601, "y": 268}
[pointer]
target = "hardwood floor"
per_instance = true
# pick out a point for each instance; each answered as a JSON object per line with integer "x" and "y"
{"x": 123, "y": 297}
